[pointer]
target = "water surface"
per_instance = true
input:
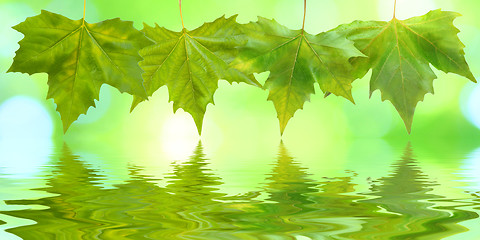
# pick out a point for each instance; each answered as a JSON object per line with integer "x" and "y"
{"x": 78, "y": 196}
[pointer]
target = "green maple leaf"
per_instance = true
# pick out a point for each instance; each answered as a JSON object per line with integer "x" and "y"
{"x": 296, "y": 60}
{"x": 190, "y": 64}
{"x": 79, "y": 57}
{"x": 400, "y": 53}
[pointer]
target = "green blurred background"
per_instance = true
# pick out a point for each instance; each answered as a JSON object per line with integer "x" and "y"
{"x": 242, "y": 116}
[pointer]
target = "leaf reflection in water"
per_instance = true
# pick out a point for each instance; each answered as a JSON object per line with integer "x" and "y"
{"x": 189, "y": 205}
{"x": 410, "y": 211}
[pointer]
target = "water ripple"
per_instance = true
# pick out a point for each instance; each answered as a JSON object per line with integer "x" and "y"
{"x": 69, "y": 202}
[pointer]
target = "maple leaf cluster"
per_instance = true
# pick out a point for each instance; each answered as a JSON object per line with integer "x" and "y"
{"x": 79, "y": 57}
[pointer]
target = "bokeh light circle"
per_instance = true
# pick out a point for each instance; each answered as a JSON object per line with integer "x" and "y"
{"x": 471, "y": 107}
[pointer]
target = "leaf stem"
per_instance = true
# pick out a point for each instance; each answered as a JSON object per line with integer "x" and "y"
{"x": 181, "y": 16}
{"x": 304, "y": 13}
{"x": 394, "y": 9}
{"x": 84, "y": 7}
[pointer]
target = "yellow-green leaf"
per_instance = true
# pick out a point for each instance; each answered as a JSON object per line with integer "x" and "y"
{"x": 79, "y": 57}
{"x": 296, "y": 60}
{"x": 190, "y": 64}
{"x": 400, "y": 54}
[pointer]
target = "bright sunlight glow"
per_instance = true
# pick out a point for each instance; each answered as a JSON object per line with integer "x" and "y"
{"x": 471, "y": 109}
{"x": 179, "y": 137}
{"x": 24, "y": 117}
{"x": 25, "y": 136}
